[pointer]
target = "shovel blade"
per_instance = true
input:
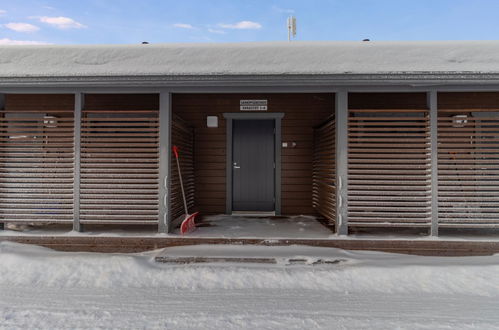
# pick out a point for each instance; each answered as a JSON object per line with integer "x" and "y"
{"x": 188, "y": 225}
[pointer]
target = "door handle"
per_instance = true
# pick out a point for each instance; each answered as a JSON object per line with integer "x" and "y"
{"x": 236, "y": 166}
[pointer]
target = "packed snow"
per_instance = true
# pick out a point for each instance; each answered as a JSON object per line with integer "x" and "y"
{"x": 300, "y": 226}
{"x": 41, "y": 288}
{"x": 254, "y": 58}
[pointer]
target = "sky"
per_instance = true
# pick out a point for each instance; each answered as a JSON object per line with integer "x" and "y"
{"x": 161, "y": 21}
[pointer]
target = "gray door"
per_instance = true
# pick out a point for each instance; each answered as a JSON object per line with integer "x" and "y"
{"x": 253, "y": 155}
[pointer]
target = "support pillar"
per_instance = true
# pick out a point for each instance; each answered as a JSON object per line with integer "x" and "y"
{"x": 341, "y": 118}
{"x": 78, "y": 106}
{"x": 2, "y": 105}
{"x": 433, "y": 107}
{"x": 165, "y": 116}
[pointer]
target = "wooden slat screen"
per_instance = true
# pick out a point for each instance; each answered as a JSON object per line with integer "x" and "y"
{"x": 119, "y": 166}
{"x": 389, "y": 167}
{"x": 468, "y": 168}
{"x": 324, "y": 171}
{"x": 36, "y": 165}
{"x": 182, "y": 137}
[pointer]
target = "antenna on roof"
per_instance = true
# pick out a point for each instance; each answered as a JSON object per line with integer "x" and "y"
{"x": 291, "y": 27}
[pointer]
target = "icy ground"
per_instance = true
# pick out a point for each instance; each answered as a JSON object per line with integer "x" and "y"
{"x": 41, "y": 288}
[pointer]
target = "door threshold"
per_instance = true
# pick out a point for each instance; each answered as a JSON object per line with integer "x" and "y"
{"x": 253, "y": 213}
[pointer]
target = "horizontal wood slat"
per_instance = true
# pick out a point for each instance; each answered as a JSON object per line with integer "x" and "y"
{"x": 183, "y": 138}
{"x": 324, "y": 171}
{"x": 468, "y": 167}
{"x": 36, "y": 165}
{"x": 119, "y": 166}
{"x": 389, "y": 168}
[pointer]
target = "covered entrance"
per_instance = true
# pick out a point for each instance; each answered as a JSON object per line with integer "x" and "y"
{"x": 250, "y": 162}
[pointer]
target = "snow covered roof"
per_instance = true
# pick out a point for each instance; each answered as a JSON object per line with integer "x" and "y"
{"x": 261, "y": 58}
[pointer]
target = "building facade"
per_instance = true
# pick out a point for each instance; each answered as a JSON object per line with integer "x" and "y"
{"x": 384, "y": 135}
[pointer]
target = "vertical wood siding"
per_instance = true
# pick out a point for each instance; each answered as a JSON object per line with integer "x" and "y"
{"x": 302, "y": 113}
{"x": 37, "y": 158}
{"x": 183, "y": 138}
{"x": 324, "y": 170}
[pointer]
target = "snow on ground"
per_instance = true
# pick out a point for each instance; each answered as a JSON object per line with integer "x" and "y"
{"x": 300, "y": 226}
{"x": 41, "y": 288}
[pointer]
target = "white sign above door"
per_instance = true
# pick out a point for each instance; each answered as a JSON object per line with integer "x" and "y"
{"x": 253, "y": 105}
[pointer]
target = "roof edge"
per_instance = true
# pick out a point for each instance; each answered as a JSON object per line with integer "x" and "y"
{"x": 454, "y": 78}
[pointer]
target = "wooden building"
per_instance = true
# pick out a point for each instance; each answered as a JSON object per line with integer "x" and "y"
{"x": 363, "y": 134}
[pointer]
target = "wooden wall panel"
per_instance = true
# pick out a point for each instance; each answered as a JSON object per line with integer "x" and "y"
{"x": 183, "y": 138}
{"x": 387, "y": 100}
{"x": 470, "y": 100}
{"x": 389, "y": 168}
{"x": 37, "y": 158}
{"x": 39, "y": 101}
{"x": 122, "y": 101}
{"x": 302, "y": 113}
{"x": 324, "y": 170}
{"x": 119, "y": 162}
{"x": 468, "y": 162}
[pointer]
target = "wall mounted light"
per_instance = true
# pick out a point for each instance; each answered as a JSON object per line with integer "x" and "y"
{"x": 212, "y": 121}
{"x": 50, "y": 121}
{"x": 289, "y": 144}
{"x": 459, "y": 120}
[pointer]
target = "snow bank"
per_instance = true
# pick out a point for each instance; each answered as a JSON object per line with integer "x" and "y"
{"x": 259, "y": 58}
{"x": 367, "y": 272}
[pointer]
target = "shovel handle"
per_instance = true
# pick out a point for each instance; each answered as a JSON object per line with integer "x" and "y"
{"x": 175, "y": 151}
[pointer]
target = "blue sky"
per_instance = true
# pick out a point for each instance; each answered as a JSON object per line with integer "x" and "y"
{"x": 127, "y": 21}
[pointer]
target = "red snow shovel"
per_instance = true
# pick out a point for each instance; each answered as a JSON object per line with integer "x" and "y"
{"x": 188, "y": 223}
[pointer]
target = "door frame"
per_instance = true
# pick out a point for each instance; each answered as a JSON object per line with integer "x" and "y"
{"x": 276, "y": 116}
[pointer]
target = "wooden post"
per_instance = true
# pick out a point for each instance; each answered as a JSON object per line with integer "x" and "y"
{"x": 165, "y": 115}
{"x": 433, "y": 106}
{"x": 341, "y": 117}
{"x": 78, "y": 106}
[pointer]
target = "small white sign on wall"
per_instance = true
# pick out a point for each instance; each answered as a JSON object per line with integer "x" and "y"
{"x": 253, "y": 105}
